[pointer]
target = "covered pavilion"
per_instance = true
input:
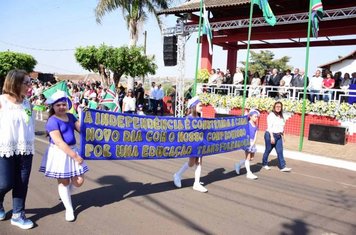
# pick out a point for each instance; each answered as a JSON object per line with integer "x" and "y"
{"x": 229, "y": 20}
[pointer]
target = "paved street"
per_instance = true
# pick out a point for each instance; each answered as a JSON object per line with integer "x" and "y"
{"x": 138, "y": 197}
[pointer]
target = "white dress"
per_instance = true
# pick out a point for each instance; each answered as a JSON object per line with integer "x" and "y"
{"x": 55, "y": 162}
{"x": 17, "y": 126}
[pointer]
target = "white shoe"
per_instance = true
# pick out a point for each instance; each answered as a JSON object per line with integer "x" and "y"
{"x": 251, "y": 176}
{"x": 237, "y": 168}
{"x": 69, "y": 216}
{"x": 266, "y": 167}
{"x": 177, "y": 181}
{"x": 286, "y": 169}
{"x": 199, "y": 187}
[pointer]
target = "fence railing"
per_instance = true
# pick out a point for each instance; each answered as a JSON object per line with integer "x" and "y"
{"x": 293, "y": 93}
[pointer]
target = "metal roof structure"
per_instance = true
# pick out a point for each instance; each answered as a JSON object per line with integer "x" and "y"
{"x": 230, "y": 22}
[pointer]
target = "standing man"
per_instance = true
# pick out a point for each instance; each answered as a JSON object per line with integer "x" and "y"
{"x": 139, "y": 93}
{"x": 173, "y": 99}
{"x": 298, "y": 82}
{"x": 315, "y": 86}
{"x": 159, "y": 99}
{"x": 152, "y": 99}
{"x": 274, "y": 81}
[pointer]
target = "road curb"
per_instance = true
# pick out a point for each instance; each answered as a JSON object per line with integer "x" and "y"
{"x": 316, "y": 159}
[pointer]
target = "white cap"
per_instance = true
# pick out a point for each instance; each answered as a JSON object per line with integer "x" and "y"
{"x": 92, "y": 95}
{"x": 254, "y": 111}
{"x": 193, "y": 101}
{"x": 59, "y": 96}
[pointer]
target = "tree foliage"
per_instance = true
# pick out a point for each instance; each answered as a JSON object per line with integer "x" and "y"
{"x": 129, "y": 61}
{"x": 203, "y": 76}
{"x": 14, "y": 60}
{"x": 263, "y": 61}
{"x": 135, "y": 13}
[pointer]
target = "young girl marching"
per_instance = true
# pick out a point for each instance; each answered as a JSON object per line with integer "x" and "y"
{"x": 194, "y": 109}
{"x": 40, "y": 107}
{"x": 62, "y": 161}
{"x": 250, "y": 151}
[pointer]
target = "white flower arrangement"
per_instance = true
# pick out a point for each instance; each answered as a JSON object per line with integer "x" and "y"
{"x": 340, "y": 111}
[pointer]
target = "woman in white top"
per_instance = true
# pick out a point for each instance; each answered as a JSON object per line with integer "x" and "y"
{"x": 17, "y": 145}
{"x": 255, "y": 90}
{"x": 129, "y": 103}
{"x": 287, "y": 78}
{"x": 274, "y": 137}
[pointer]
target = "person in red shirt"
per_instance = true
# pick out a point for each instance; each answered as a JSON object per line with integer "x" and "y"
{"x": 328, "y": 83}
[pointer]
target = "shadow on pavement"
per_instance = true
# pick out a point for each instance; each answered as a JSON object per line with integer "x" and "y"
{"x": 114, "y": 189}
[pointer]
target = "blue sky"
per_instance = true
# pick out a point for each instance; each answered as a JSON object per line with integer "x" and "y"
{"x": 49, "y": 30}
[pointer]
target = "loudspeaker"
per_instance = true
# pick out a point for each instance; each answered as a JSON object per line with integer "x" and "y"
{"x": 170, "y": 50}
{"x": 218, "y": 115}
{"x": 327, "y": 134}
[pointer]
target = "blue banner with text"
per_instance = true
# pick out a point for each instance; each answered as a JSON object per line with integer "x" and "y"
{"x": 116, "y": 136}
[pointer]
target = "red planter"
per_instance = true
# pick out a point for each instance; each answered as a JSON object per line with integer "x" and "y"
{"x": 293, "y": 123}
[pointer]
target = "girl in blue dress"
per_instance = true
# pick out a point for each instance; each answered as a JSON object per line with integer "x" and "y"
{"x": 250, "y": 151}
{"x": 62, "y": 161}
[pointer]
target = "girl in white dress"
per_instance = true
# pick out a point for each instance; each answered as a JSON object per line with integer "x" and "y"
{"x": 195, "y": 108}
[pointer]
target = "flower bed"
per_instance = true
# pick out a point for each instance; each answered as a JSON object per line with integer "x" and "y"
{"x": 331, "y": 113}
{"x": 342, "y": 112}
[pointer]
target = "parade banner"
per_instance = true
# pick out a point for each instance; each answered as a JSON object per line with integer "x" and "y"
{"x": 115, "y": 136}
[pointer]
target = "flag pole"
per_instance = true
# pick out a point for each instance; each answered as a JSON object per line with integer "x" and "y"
{"x": 247, "y": 58}
{"x": 301, "y": 137}
{"x": 198, "y": 51}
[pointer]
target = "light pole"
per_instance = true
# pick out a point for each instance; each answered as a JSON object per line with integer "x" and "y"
{"x": 144, "y": 51}
{"x": 144, "y": 42}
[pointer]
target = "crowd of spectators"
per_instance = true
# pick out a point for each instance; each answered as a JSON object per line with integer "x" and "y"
{"x": 323, "y": 85}
{"x": 279, "y": 84}
{"x": 91, "y": 95}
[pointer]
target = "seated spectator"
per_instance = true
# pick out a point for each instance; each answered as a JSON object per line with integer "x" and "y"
{"x": 282, "y": 90}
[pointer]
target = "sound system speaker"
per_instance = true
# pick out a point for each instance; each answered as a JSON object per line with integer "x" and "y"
{"x": 327, "y": 134}
{"x": 170, "y": 50}
{"x": 218, "y": 115}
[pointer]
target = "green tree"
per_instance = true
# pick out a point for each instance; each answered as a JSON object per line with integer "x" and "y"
{"x": 14, "y": 60}
{"x": 203, "y": 76}
{"x": 260, "y": 62}
{"x": 119, "y": 61}
{"x": 135, "y": 13}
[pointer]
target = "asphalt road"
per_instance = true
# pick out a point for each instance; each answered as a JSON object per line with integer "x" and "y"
{"x": 138, "y": 197}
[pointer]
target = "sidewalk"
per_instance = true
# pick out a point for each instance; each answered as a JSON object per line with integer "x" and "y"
{"x": 341, "y": 156}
